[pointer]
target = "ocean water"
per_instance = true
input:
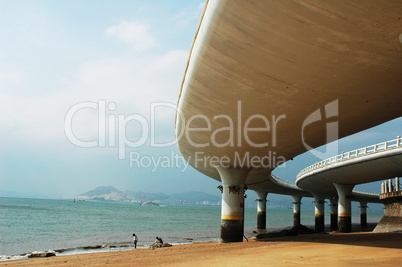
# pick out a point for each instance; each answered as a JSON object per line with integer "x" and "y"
{"x": 28, "y": 225}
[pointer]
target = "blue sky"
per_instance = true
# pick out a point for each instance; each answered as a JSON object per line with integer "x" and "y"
{"x": 55, "y": 54}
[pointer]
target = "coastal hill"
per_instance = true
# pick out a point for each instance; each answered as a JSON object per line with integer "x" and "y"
{"x": 110, "y": 193}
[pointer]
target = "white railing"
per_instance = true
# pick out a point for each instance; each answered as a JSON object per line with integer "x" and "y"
{"x": 354, "y": 154}
{"x": 284, "y": 183}
{"x": 365, "y": 193}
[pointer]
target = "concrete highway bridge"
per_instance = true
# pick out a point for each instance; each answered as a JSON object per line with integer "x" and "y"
{"x": 269, "y": 80}
{"x": 334, "y": 178}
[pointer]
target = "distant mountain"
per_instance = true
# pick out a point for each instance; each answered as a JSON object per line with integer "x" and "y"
{"x": 110, "y": 193}
{"x": 104, "y": 193}
{"x": 102, "y": 190}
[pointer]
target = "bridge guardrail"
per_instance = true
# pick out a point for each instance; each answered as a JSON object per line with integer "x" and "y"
{"x": 283, "y": 182}
{"x": 388, "y": 145}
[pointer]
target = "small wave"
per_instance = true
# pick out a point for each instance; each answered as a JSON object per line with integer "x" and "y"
{"x": 14, "y": 257}
{"x": 75, "y": 251}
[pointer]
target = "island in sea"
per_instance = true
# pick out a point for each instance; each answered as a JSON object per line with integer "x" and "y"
{"x": 112, "y": 194}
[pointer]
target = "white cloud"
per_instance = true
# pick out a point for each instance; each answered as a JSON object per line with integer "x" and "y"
{"x": 131, "y": 84}
{"x": 134, "y": 83}
{"x": 10, "y": 77}
{"x": 135, "y": 34}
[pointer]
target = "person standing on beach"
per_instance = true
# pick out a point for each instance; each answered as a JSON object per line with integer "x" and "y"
{"x": 135, "y": 239}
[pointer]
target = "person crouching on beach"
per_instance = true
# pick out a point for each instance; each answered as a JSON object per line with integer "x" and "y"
{"x": 159, "y": 240}
{"x": 135, "y": 239}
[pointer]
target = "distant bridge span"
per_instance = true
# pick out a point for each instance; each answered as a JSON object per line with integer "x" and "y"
{"x": 368, "y": 164}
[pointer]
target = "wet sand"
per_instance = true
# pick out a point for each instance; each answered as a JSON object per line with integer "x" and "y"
{"x": 355, "y": 249}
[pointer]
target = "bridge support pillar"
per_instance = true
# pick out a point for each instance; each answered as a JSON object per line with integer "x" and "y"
{"x": 261, "y": 210}
{"x": 232, "y": 214}
{"x": 319, "y": 212}
{"x": 296, "y": 210}
{"x": 334, "y": 213}
{"x": 344, "y": 207}
{"x": 363, "y": 214}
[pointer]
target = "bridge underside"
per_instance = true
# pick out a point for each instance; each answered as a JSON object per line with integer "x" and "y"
{"x": 285, "y": 60}
{"x": 299, "y": 74}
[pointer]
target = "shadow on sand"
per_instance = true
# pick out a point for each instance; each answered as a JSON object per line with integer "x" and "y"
{"x": 305, "y": 234}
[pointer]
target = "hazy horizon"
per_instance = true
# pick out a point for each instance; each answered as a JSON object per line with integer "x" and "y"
{"x": 115, "y": 60}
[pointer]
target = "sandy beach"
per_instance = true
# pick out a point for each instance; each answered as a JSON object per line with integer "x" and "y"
{"x": 335, "y": 249}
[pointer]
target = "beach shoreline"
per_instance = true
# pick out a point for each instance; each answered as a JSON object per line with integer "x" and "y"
{"x": 332, "y": 249}
{"x": 124, "y": 246}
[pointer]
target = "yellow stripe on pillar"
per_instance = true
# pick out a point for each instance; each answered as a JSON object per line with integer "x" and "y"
{"x": 233, "y": 218}
{"x": 343, "y": 215}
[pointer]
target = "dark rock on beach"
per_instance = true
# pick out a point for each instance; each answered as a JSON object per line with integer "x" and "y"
{"x": 294, "y": 231}
{"x": 119, "y": 246}
{"x": 42, "y": 254}
{"x": 93, "y": 247}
